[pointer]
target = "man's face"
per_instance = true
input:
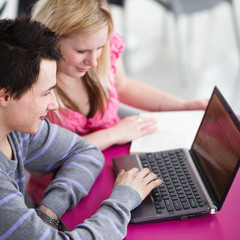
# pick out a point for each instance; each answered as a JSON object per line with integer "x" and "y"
{"x": 25, "y": 114}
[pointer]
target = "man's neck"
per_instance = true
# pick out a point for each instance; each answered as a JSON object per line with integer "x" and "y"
{"x": 6, "y": 148}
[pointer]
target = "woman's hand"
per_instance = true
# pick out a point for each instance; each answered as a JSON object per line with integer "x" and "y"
{"x": 131, "y": 128}
{"x": 196, "y": 105}
{"x": 143, "y": 181}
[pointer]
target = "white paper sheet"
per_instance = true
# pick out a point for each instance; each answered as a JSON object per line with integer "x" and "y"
{"x": 175, "y": 129}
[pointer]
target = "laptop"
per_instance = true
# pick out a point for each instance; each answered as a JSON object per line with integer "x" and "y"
{"x": 196, "y": 181}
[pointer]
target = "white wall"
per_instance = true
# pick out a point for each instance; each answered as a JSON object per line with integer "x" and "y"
{"x": 10, "y": 10}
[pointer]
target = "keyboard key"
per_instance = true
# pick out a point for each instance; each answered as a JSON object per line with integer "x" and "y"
{"x": 169, "y": 206}
{"x": 162, "y": 206}
{"x": 193, "y": 203}
{"x": 185, "y": 205}
{"x": 159, "y": 211}
{"x": 177, "y": 205}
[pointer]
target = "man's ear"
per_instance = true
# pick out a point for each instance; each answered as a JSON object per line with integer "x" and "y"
{"x": 4, "y": 97}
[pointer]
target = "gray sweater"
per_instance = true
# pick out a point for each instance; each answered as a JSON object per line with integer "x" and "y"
{"x": 77, "y": 164}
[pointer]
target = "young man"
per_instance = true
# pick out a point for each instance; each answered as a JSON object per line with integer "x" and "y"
{"x": 28, "y": 55}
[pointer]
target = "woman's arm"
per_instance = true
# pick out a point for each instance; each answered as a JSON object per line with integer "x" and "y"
{"x": 141, "y": 95}
{"x": 123, "y": 132}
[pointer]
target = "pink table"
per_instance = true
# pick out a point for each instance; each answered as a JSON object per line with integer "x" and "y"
{"x": 224, "y": 225}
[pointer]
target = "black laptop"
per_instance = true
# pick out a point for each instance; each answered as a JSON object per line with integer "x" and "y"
{"x": 196, "y": 181}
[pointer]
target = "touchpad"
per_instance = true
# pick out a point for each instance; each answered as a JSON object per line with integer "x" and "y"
{"x": 126, "y": 163}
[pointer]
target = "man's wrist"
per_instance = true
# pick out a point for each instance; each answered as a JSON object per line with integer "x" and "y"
{"x": 48, "y": 212}
{"x": 51, "y": 218}
{"x": 47, "y": 218}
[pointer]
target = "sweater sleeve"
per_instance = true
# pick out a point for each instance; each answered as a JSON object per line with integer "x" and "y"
{"x": 75, "y": 162}
{"x": 19, "y": 222}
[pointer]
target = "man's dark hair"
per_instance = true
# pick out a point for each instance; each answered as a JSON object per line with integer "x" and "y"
{"x": 23, "y": 44}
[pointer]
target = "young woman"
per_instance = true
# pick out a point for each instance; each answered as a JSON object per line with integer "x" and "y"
{"x": 91, "y": 80}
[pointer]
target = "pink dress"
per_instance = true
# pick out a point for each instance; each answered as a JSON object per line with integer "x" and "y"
{"x": 78, "y": 123}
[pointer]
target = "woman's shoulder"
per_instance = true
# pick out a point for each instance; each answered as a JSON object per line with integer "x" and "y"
{"x": 117, "y": 46}
{"x": 116, "y": 42}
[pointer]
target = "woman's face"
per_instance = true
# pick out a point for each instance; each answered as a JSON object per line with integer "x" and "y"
{"x": 81, "y": 52}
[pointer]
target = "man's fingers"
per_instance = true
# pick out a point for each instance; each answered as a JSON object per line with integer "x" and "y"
{"x": 155, "y": 183}
{"x": 150, "y": 177}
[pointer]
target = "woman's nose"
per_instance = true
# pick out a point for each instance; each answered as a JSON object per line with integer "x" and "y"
{"x": 91, "y": 59}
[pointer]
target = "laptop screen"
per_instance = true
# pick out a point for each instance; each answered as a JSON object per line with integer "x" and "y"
{"x": 216, "y": 147}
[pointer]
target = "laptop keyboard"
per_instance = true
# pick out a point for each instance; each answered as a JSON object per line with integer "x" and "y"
{"x": 178, "y": 190}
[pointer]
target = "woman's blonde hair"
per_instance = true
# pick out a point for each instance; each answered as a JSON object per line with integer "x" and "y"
{"x": 66, "y": 17}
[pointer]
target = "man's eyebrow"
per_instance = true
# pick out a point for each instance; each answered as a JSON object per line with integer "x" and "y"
{"x": 49, "y": 89}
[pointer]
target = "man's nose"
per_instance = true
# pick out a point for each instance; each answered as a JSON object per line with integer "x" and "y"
{"x": 53, "y": 105}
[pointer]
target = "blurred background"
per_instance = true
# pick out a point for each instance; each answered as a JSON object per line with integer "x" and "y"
{"x": 208, "y": 44}
{"x": 210, "y": 55}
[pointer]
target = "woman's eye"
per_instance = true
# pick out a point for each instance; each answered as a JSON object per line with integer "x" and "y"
{"x": 81, "y": 52}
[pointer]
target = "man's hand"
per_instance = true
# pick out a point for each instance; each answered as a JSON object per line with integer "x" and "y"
{"x": 143, "y": 181}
